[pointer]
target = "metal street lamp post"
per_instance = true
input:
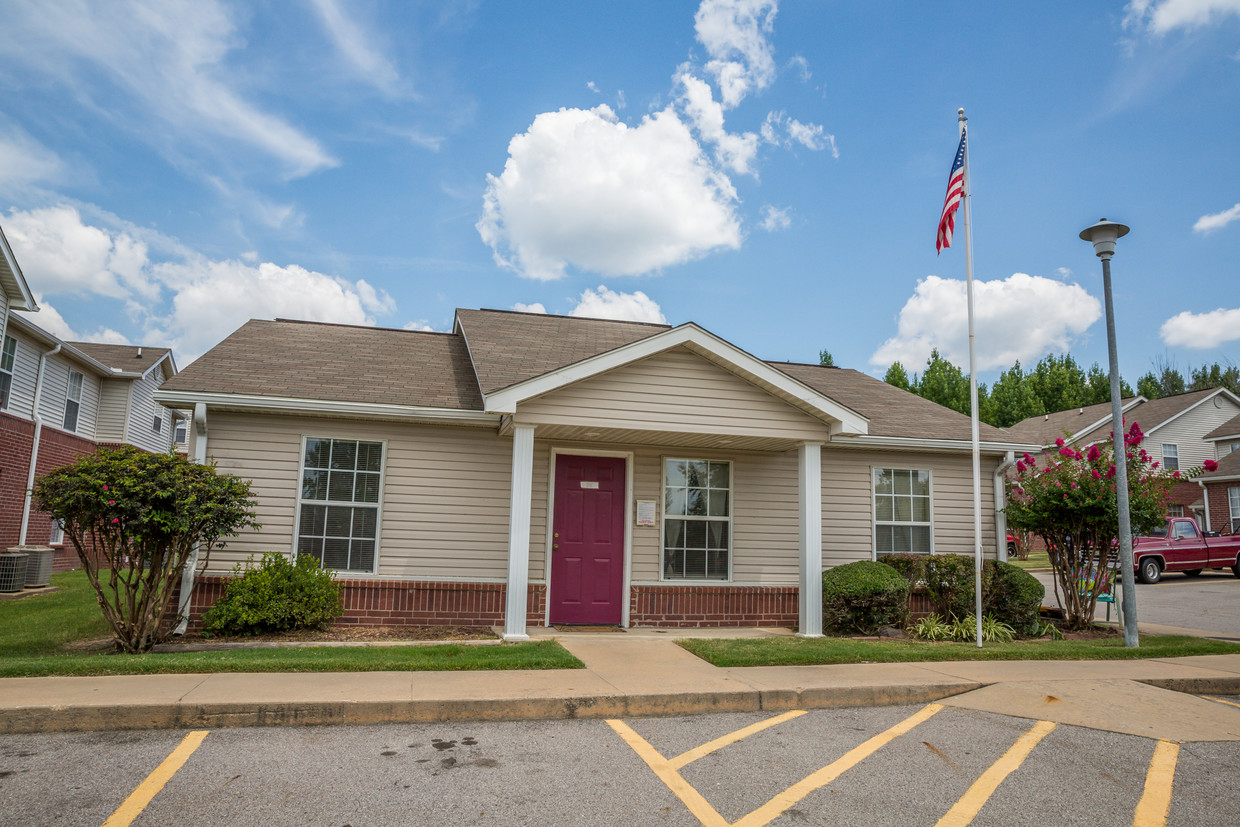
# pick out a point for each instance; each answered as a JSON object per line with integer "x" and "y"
{"x": 1103, "y": 235}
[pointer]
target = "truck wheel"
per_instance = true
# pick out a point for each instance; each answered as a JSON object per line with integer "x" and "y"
{"x": 1236, "y": 569}
{"x": 1150, "y": 571}
{"x": 1192, "y": 572}
{"x": 1011, "y": 550}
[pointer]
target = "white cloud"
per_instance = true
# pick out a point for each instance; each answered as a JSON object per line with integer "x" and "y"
{"x": 1216, "y": 221}
{"x": 593, "y": 87}
{"x": 1064, "y": 273}
{"x": 536, "y": 307}
{"x": 421, "y": 325}
{"x": 801, "y": 65}
{"x": 582, "y": 188}
{"x": 780, "y": 129}
{"x": 1161, "y": 16}
{"x": 357, "y": 47}
{"x": 774, "y": 219}
{"x": 61, "y": 254}
{"x": 1201, "y": 330}
{"x": 608, "y": 304}
{"x": 735, "y": 151}
{"x": 735, "y": 34}
{"x": 49, "y": 318}
{"x": 24, "y": 161}
{"x": 1021, "y": 317}
{"x": 170, "y": 57}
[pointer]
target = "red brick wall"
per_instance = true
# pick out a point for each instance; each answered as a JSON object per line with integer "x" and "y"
{"x": 1184, "y": 493}
{"x": 1220, "y": 511}
{"x": 713, "y": 606}
{"x": 403, "y": 602}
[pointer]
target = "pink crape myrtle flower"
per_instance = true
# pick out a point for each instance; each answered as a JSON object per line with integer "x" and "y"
{"x": 1210, "y": 466}
{"x": 1093, "y": 455}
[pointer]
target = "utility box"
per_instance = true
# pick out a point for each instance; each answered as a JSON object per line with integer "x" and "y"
{"x": 38, "y": 565}
{"x": 13, "y": 569}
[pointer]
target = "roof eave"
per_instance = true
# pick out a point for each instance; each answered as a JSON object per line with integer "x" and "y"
{"x": 20, "y": 296}
{"x": 323, "y": 407}
{"x": 923, "y": 444}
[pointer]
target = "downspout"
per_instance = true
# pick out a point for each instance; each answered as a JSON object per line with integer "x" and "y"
{"x": 191, "y": 565}
{"x": 34, "y": 446}
{"x": 1205, "y": 497}
{"x": 1001, "y": 503}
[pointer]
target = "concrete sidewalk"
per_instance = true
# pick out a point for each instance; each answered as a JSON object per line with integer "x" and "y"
{"x": 632, "y": 675}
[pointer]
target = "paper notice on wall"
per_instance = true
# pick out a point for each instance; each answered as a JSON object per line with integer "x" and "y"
{"x": 589, "y": 484}
{"x": 645, "y": 512}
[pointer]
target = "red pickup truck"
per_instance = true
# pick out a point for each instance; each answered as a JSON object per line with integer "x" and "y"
{"x": 1180, "y": 546}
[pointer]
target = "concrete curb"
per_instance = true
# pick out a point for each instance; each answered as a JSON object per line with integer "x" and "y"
{"x": 364, "y": 713}
{"x": 1221, "y": 685}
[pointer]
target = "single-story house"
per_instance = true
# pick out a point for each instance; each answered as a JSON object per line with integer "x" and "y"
{"x": 530, "y": 469}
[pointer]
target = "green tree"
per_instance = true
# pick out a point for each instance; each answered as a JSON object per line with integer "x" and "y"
{"x": 1215, "y": 376}
{"x": 1148, "y": 386}
{"x": 134, "y": 519}
{"x": 945, "y": 384}
{"x": 1012, "y": 398}
{"x": 1059, "y": 383}
{"x": 826, "y": 359}
{"x": 1099, "y": 382}
{"x": 897, "y": 376}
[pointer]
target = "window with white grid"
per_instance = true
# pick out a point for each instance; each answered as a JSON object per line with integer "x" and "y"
{"x": 697, "y": 519}
{"x": 902, "y": 511}
{"x": 338, "y": 519}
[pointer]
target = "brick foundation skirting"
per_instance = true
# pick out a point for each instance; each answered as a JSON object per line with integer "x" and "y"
{"x": 713, "y": 606}
{"x": 403, "y": 602}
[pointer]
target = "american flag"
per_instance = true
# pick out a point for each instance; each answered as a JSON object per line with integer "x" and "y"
{"x": 955, "y": 191}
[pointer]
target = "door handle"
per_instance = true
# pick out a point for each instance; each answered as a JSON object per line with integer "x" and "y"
{"x": 555, "y": 546}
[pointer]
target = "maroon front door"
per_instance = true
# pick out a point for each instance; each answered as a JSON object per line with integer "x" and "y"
{"x": 587, "y": 540}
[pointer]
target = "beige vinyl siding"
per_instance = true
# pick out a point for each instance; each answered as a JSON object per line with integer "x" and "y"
{"x": 142, "y": 411}
{"x": 25, "y": 374}
{"x": 4, "y": 313}
{"x": 673, "y": 391}
{"x": 55, "y": 390}
{"x": 113, "y": 402}
{"x": 445, "y": 492}
{"x": 1187, "y": 432}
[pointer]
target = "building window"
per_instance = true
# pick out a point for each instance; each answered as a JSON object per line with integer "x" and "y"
{"x": 73, "y": 400}
{"x": 1175, "y": 511}
{"x": 158, "y": 424}
{"x": 1171, "y": 457}
{"x": 57, "y": 535}
{"x": 1233, "y": 502}
{"x": 902, "y": 511}
{"x": 180, "y": 433}
{"x": 339, "y": 503}
{"x": 697, "y": 519}
{"x": 1226, "y": 448}
{"x": 7, "y": 358}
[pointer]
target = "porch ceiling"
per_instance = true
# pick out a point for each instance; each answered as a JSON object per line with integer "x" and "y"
{"x": 677, "y": 439}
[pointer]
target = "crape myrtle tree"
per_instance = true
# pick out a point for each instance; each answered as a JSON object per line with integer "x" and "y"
{"x": 1067, "y": 497}
{"x": 134, "y": 519}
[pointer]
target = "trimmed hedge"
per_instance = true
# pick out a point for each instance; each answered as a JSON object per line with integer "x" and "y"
{"x": 949, "y": 581}
{"x": 1014, "y": 596}
{"x": 276, "y": 596}
{"x": 863, "y": 597}
{"x": 912, "y": 566}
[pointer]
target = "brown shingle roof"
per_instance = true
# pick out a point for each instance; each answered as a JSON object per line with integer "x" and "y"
{"x": 1151, "y": 414}
{"x": 510, "y": 347}
{"x": 307, "y": 360}
{"x": 124, "y": 357}
{"x": 1229, "y": 428}
{"x": 1045, "y": 429}
{"x": 1228, "y": 466}
{"x": 891, "y": 411}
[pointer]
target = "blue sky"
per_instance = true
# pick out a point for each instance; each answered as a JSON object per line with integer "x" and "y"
{"x": 771, "y": 171}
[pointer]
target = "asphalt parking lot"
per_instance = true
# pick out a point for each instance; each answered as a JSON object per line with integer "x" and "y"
{"x": 908, "y": 765}
{"x": 1209, "y": 602}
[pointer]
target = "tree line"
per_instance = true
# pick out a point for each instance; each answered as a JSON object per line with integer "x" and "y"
{"x": 1055, "y": 383}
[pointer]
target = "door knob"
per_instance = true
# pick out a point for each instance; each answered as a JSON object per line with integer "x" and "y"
{"x": 555, "y": 546}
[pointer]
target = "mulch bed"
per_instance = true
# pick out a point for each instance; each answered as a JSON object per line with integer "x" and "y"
{"x": 350, "y": 634}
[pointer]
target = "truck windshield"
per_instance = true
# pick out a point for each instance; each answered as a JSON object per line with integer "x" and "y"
{"x": 1160, "y": 532}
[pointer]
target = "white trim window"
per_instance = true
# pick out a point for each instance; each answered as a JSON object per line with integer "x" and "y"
{"x": 902, "y": 518}
{"x": 1174, "y": 510}
{"x": 1233, "y": 504}
{"x": 697, "y": 519}
{"x": 73, "y": 401}
{"x": 338, "y": 506}
{"x": 157, "y": 424}
{"x": 179, "y": 436}
{"x": 56, "y": 536}
{"x": 7, "y": 358}
{"x": 1171, "y": 457}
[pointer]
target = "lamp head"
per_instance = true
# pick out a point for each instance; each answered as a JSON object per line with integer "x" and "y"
{"x": 1103, "y": 235}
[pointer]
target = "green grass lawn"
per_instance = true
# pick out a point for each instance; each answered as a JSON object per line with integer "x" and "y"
{"x": 37, "y": 636}
{"x": 799, "y": 651}
{"x": 1037, "y": 560}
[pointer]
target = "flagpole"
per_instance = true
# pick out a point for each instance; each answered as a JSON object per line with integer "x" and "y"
{"x": 973, "y": 424}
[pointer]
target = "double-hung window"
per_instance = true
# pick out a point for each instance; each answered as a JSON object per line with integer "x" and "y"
{"x": 1171, "y": 457}
{"x": 902, "y": 511}
{"x": 338, "y": 521}
{"x": 1233, "y": 503}
{"x": 697, "y": 519}
{"x": 73, "y": 400}
{"x": 7, "y": 357}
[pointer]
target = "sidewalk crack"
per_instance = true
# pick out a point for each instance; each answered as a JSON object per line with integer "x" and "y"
{"x": 205, "y": 678}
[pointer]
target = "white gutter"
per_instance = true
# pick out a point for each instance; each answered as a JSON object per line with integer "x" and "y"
{"x": 295, "y": 405}
{"x": 919, "y": 444}
{"x": 34, "y": 446}
{"x": 1001, "y": 503}
{"x": 191, "y": 565}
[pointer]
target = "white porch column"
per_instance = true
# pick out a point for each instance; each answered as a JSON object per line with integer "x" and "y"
{"x": 519, "y": 532}
{"x": 809, "y": 465}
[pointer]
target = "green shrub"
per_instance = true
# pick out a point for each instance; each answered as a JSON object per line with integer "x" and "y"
{"x": 949, "y": 581}
{"x": 911, "y": 566}
{"x": 932, "y": 627}
{"x": 1014, "y": 596}
{"x": 864, "y": 597}
{"x": 276, "y": 596}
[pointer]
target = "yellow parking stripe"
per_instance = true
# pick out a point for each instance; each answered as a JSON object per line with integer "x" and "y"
{"x": 967, "y": 808}
{"x": 719, "y": 743}
{"x": 1155, "y": 802}
{"x": 1220, "y": 700}
{"x": 698, "y": 806}
{"x": 133, "y": 806}
{"x": 774, "y": 808}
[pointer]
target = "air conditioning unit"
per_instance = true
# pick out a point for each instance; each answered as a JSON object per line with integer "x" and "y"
{"x": 38, "y": 566}
{"x": 13, "y": 570}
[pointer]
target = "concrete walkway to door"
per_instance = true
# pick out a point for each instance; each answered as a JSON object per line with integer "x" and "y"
{"x": 641, "y": 673}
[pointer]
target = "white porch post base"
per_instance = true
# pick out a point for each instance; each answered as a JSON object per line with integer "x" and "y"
{"x": 519, "y": 532}
{"x": 809, "y": 466}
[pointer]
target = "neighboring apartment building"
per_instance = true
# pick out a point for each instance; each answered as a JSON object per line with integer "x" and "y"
{"x": 1222, "y": 486}
{"x": 1181, "y": 432}
{"x": 60, "y": 400}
